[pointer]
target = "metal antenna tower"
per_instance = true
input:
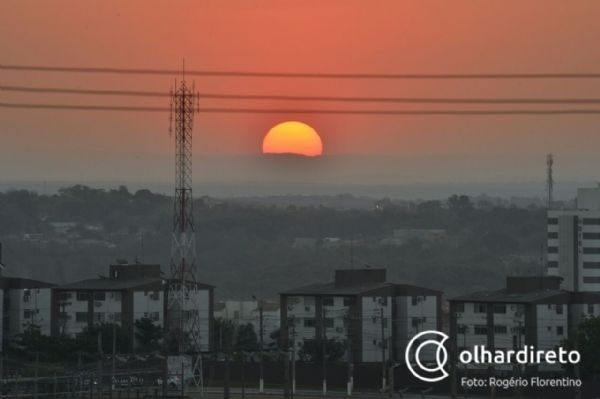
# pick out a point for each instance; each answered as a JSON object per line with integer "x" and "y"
{"x": 549, "y": 180}
{"x": 182, "y": 305}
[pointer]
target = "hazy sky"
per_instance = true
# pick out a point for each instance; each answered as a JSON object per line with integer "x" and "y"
{"x": 300, "y": 36}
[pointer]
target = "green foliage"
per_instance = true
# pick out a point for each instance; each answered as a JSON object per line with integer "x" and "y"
{"x": 231, "y": 337}
{"x": 244, "y": 246}
{"x": 148, "y": 335}
{"x": 312, "y": 350}
{"x": 54, "y": 349}
{"x": 586, "y": 339}
{"x": 101, "y": 336}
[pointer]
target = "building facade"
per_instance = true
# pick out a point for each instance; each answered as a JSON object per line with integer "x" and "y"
{"x": 574, "y": 243}
{"x": 531, "y": 311}
{"x": 130, "y": 293}
{"x": 372, "y": 317}
{"x": 24, "y": 304}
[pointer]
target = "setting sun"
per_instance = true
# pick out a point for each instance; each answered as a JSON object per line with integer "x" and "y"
{"x": 292, "y": 138}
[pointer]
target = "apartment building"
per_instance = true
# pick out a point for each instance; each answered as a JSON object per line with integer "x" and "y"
{"x": 531, "y": 311}
{"x": 130, "y": 292}
{"x": 373, "y": 317}
{"x": 574, "y": 242}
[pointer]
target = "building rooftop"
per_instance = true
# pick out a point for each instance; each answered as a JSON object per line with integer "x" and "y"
{"x": 18, "y": 282}
{"x": 505, "y": 296}
{"x": 107, "y": 284}
{"x": 350, "y": 290}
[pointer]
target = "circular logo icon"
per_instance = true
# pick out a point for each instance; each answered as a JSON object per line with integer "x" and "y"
{"x": 416, "y": 365}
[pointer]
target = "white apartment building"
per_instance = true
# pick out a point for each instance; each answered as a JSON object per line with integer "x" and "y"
{"x": 361, "y": 309}
{"x": 574, "y": 243}
{"x": 243, "y": 312}
{"x": 24, "y": 303}
{"x": 131, "y": 292}
{"x": 531, "y": 311}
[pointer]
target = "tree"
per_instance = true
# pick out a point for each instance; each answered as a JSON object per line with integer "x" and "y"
{"x": 123, "y": 340}
{"x": 586, "y": 339}
{"x": 148, "y": 335}
{"x": 312, "y": 350}
{"x": 246, "y": 340}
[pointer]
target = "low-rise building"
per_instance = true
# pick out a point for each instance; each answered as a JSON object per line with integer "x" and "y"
{"x": 362, "y": 310}
{"x": 531, "y": 311}
{"x": 131, "y": 292}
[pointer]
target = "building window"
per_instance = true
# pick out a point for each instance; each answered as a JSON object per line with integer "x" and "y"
{"x": 590, "y": 309}
{"x": 552, "y": 234}
{"x": 328, "y": 301}
{"x": 99, "y": 296}
{"x": 591, "y": 280}
{"x": 462, "y": 329}
{"x": 310, "y": 322}
{"x": 26, "y": 295}
{"x": 81, "y": 317}
{"x": 552, "y": 250}
{"x": 82, "y": 296}
{"x": 480, "y": 308}
{"x": 328, "y": 322}
{"x": 499, "y": 308}
{"x": 500, "y": 329}
{"x": 28, "y": 314}
{"x": 348, "y": 301}
{"x": 552, "y": 263}
{"x": 481, "y": 330}
{"x": 414, "y": 300}
{"x": 559, "y": 330}
{"x": 552, "y": 221}
{"x": 460, "y": 307}
{"x": 589, "y": 250}
{"x": 591, "y": 236}
{"x": 559, "y": 309}
{"x": 100, "y": 317}
{"x": 591, "y": 265}
{"x": 592, "y": 221}
{"x": 65, "y": 296}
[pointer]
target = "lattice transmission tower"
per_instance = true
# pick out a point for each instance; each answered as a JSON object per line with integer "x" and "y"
{"x": 549, "y": 181}
{"x": 182, "y": 314}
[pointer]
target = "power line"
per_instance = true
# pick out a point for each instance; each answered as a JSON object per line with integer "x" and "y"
{"x": 306, "y": 111}
{"x": 425, "y": 100}
{"x": 317, "y": 75}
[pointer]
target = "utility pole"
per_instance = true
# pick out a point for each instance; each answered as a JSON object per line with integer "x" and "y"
{"x": 350, "y": 379}
{"x": 114, "y": 354}
{"x": 37, "y": 367}
{"x": 324, "y": 351}
{"x": 293, "y": 356}
{"x": 383, "y": 368}
{"x": 261, "y": 332}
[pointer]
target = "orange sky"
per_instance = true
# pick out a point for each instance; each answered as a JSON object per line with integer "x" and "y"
{"x": 386, "y": 36}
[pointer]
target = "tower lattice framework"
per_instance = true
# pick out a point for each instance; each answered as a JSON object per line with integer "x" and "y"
{"x": 183, "y": 321}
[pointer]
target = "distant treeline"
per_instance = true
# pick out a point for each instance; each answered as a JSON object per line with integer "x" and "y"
{"x": 250, "y": 249}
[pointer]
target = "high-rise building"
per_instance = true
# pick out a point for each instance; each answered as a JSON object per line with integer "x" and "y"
{"x": 574, "y": 242}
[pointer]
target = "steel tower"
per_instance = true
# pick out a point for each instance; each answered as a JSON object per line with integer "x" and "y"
{"x": 182, "y": 316}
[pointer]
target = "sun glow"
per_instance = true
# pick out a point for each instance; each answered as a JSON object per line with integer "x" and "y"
{"x": 292, "y": 137}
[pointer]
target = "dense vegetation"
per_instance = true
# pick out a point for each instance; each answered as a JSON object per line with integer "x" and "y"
{"x": 245, "y": 249}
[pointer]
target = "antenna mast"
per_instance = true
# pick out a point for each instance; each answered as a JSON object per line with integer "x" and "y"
{"x": 549, "y": 180}
{"x": 182, "y": 306}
